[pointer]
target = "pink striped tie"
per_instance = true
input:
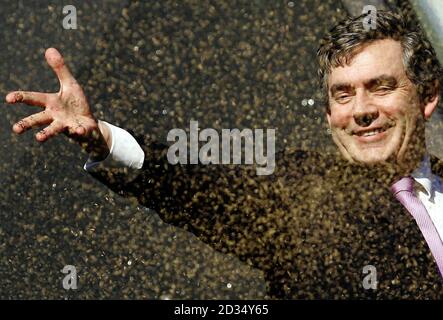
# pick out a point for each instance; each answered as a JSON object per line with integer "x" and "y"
{"x": 403, "y": 191}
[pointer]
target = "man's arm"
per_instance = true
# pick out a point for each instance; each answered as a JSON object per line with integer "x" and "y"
{"x": 224, "y": 206}
{"x": 203, "y": 199}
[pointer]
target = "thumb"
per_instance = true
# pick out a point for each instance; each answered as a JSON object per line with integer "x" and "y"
{"x": 57, "y": 63}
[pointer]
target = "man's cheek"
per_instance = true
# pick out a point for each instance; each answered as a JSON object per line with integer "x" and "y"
{"x": 339, "y": 121}
{"x": 395, "y": 107}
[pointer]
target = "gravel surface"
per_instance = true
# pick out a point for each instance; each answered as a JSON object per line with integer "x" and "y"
{"x": 147, "y": 66}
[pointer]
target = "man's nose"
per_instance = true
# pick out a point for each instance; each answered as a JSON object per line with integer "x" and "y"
{"x": 364, "y": 111}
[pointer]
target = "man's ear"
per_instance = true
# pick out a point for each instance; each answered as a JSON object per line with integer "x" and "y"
{"x": 431, "y": 102}
{"x": 328, "y": 116}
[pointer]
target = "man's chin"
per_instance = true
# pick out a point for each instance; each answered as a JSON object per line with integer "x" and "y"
{"x": 370, "y": 159}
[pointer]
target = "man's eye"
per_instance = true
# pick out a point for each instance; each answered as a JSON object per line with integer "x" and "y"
{"x": 341, "y": 98}
{"x": 383, "y": 90}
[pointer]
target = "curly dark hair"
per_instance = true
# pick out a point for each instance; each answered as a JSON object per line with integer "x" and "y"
{"x": 339, "y": 46}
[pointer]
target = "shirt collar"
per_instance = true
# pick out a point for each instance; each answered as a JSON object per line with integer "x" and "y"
{"x": 423, "y": 175}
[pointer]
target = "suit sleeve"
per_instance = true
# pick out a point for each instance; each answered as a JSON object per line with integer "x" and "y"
{"x": 218, "y": 203}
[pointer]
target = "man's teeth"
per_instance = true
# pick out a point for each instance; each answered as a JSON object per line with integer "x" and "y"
{"x": 371, "y": 133}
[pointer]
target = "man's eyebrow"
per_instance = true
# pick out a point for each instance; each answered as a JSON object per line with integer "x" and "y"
{"x": 381, "y": 80}
{"x": 340, "y": 87}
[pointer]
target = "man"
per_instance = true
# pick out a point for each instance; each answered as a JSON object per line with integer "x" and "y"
{"x": 319, "y": 221}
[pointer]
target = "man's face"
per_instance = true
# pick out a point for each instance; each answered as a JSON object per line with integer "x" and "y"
{"x": 375, "y": 112}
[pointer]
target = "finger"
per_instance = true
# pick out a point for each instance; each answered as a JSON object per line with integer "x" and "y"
{"x": 57, "y": 63}
{"x": 30, "y": 98}
{"x": 77, "y": 129}
{"x": 33, "y": 121}
{"x": 50, "y": 131}
{"x": 80, "y": 130}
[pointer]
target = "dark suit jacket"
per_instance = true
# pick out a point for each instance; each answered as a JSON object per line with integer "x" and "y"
{"x": 311, "y": 226}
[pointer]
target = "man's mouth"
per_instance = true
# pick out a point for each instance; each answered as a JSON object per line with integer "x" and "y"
{"x": 371, "y": 134}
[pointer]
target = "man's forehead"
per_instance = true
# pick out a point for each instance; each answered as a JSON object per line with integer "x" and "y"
{"x": 380, "y": 59}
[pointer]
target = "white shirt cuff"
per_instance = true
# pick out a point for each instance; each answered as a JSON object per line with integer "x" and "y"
{"x": 125, "y": 151}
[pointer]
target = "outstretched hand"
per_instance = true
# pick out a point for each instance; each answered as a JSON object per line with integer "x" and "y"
{"x": 66, "y": 111}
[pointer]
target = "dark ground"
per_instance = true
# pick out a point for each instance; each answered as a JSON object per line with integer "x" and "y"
{"x": 150, "y": 67}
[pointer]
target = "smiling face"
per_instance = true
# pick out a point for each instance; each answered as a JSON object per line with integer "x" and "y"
{"x": 375, "y": 113}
